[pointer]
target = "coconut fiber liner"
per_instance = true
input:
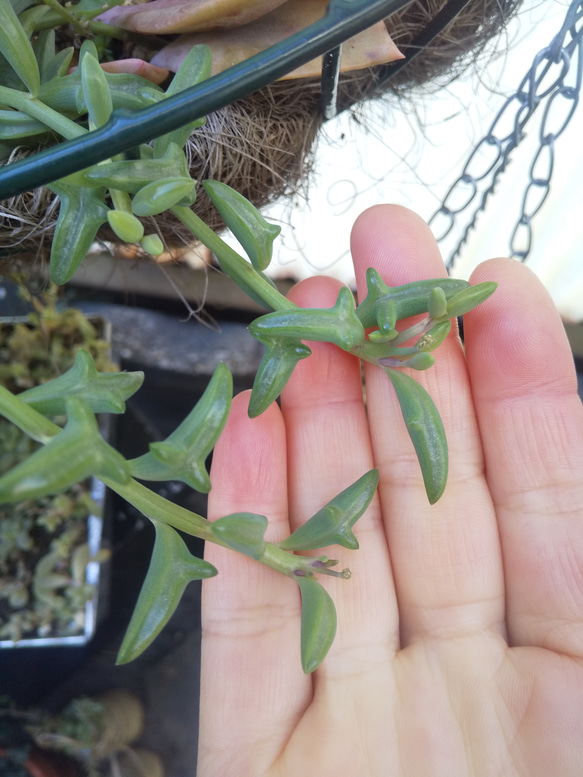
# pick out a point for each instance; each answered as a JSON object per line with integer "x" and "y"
{"x": 264, "y": 145}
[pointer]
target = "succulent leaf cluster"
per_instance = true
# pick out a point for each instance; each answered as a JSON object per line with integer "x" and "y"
{"x": 40, "y": 96}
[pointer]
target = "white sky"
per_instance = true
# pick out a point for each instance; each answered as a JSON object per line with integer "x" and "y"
{"x": 410, "y": 161}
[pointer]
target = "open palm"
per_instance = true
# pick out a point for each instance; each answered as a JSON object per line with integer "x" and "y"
{"x": 459, "y": 649}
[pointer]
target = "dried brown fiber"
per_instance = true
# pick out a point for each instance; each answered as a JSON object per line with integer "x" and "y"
{"x": 264, "y": 145}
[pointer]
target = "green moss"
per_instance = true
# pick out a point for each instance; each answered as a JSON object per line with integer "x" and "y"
{"x": 32, "y": 602}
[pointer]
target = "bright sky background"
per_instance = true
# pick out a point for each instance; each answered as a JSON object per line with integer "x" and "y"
{"x": 412, "y": 161}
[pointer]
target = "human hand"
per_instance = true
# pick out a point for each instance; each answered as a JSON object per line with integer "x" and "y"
{"x": 459, "y": 648}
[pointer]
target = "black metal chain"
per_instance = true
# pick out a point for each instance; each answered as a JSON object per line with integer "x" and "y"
{"x": 554, "y": 77}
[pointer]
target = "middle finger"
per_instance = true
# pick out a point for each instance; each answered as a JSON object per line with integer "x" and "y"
{"x": 445, "y": 557}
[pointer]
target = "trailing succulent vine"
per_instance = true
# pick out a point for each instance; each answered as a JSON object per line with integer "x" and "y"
{"x": 40, "y": 96}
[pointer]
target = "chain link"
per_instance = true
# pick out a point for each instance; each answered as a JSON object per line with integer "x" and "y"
{"x": 553, "y": 81}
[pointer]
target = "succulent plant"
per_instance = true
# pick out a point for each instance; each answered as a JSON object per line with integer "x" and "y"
{"x": 43, "y": 542}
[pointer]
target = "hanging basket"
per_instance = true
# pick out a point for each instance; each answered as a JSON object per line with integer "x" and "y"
{"x": 264, "y": 145}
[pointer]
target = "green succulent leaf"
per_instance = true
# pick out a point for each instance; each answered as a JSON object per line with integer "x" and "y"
{"x": 126, "y": 226}
{"x": 71, "y": 456}
{"x": 158, "y": 196}
{"x": 419, "y": 361}
{"x": 152, "y": 244}
{"x": 318, "y": 623}
{"x": 65, "y": 93}
{"x": 339, "y": 325}
{"x": 33, "y": 17}
{"x": 409, "y": 299}
{"x": 131, "y": 175}
{"x": 44, "y": 50}
{"x": 21, "y": 5}
{"x": 16, "y": 124}
{"x": 275, "y": 369}
{"x": 255, "y": 234}
{"x": 95, "y": 87}
{"x": 104, "y": 392}
{"x": 150, "y": 97}
{"x": 437, "y": 303}
{"x": 434, "y": 337}
{"x": 243, "y": 532}
{"x": 195, "y": 69}
{"x": 386, "y": 318}
{"x": 58, "y": 65}
{"x": 332, "y": 525}
{"x": 470, "y": 298}
{"x": 28, "y": 420}
{"x": 425, "y": 429}
{"x": 183, "y": 454}
{"x": 82, "y": 212}
{"x": 377, "y": 291}
{"x": 16, "y": 47}
{"x": 171, "y": 568}
{"x": 379, "y": 337}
